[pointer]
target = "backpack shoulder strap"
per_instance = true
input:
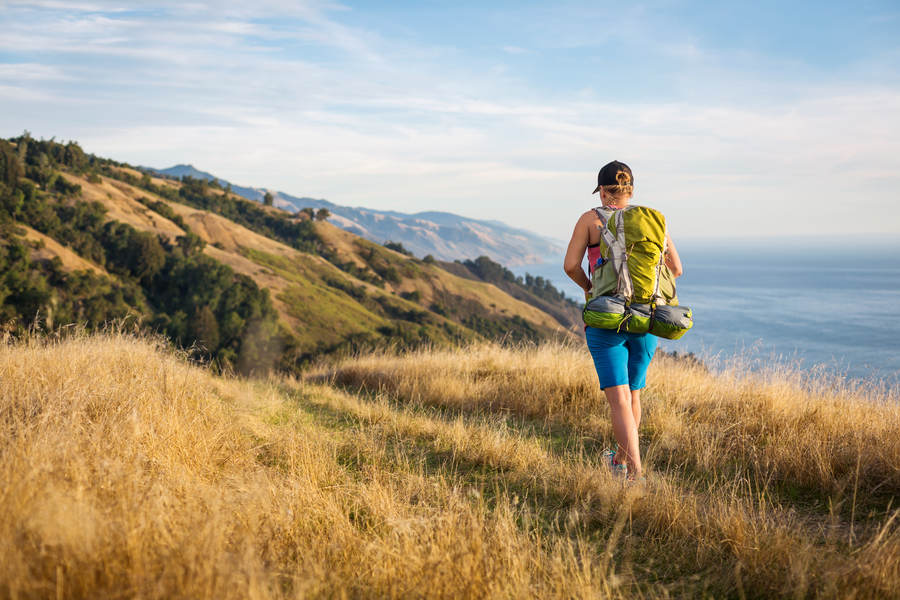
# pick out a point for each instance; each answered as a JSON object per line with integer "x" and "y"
{"x": 625, "y": 286}
{"x": 604, "y": 214}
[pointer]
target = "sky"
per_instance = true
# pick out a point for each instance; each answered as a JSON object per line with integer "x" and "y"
{"x": 738, "y": 119}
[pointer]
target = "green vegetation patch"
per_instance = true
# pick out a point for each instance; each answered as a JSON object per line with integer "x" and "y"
{"x": 334, "y": 309}
{"x": 299, "y": 268}
{"x": 327, "y": 316}
{"x": 387, "y": 265}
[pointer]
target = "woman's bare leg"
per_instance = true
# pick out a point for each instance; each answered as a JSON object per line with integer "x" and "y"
{"x": 636, "y": 407}
{"x": 636, "y": 412}
{"x": 624, "y": 425}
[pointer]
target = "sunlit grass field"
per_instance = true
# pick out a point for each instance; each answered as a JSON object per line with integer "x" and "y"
{"x": 128, "y": 472}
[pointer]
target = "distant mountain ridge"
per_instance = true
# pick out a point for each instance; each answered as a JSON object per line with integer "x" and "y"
{"x": 444, "y": 235}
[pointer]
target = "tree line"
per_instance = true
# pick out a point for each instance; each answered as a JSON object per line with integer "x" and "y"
{"x": 492, "y": 272}
{"x": 169, "y": 287}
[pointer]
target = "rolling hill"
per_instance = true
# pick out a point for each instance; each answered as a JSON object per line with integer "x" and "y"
{"x": 252, "y": 286}
{"x": 444, "y": 235}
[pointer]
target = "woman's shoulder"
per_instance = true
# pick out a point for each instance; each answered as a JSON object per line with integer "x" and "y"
{"x": 589, "y": 215}
{"x": 588, "y": 219}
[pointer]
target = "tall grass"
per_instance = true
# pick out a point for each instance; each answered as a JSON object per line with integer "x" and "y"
{"x": 795, "y": 480}
{"x": 825, "y": 438}
{"x": 128, "y": 472}
{"x": 473, "y": 473}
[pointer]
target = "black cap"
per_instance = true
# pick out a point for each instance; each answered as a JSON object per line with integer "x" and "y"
{"x": 607, "y": 175}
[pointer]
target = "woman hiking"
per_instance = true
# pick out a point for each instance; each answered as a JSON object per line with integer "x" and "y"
{"x": 621, "y": 358}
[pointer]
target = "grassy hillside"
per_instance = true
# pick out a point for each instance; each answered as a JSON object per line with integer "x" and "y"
{"x": 384, "y": 294}
{"x": 474, "y": 473}
{"x": 249, "y": 286}
{"x": 536, "y": 291}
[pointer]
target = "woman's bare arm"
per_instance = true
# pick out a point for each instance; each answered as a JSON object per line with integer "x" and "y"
{"x": 575, "y": 252}
{"x": 673, "y": 261}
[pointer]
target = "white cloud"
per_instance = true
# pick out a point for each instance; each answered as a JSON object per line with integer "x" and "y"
{"x": 68, "y": 6}
{"x": 693, "y": 160}
{"x": 32, "y": 72}
{"x": 22, "y": 94}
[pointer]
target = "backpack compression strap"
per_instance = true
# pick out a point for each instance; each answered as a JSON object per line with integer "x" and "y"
{"x": 615, "y": 242}
{"x": 625, "y": 287}
{"x": 657, "y": 297}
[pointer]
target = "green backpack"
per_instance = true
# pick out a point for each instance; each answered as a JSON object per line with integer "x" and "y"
{"x": 633, "y": 289}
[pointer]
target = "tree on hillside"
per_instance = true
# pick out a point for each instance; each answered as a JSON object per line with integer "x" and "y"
{"x": 147, "y": 256}
{"x": 73, "y": 156}
{"x": 136, "y": 253}
{"x": 322, "y": 214}
{"x": 268, "y": 199}
{"x": 190, "y": 243}
{"x": 9, "y": 164}
{"x": 488, "y": 270}
{"x": 397, "y": 247}
{"x": 205, "y": 329}
{"x": 10, "y": 170}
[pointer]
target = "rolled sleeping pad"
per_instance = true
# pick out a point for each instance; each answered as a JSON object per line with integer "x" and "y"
{"x": 604, "y": 312}
{"x": 671, "y": 322}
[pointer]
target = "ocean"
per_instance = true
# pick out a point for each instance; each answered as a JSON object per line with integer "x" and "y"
{"x": 832, "y": 308}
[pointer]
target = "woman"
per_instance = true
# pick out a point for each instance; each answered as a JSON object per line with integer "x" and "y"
{"x": 621, "y": 359}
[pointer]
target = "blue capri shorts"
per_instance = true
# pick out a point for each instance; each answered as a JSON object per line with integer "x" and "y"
{"x": 620, "y": 358}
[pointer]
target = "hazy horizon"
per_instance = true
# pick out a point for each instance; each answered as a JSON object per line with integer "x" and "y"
{"x": 873, "y": 238}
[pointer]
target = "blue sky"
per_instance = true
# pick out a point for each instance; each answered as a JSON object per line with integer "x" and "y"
{"x": 738, "y": 119}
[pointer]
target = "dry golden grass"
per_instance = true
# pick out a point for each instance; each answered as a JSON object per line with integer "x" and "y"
{"x": 120, "y": 200}
{"x": 820, "y": 436}
{"x": 341, "y": 242}
{"x": 756, "y": 480}
{"x": 473, "y": 473}
{"x": 128, "y": 472}
{"x": 50, "y": 249}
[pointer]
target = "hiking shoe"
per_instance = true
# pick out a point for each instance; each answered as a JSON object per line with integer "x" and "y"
{"x": 609, "y": 459}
